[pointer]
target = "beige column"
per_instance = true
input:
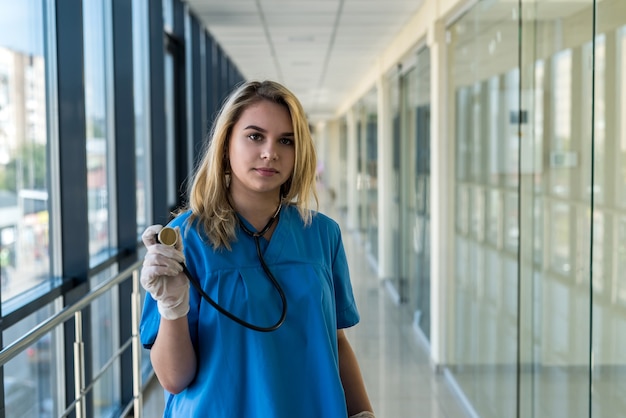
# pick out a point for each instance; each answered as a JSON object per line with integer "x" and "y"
{"x": 385, "y": 182}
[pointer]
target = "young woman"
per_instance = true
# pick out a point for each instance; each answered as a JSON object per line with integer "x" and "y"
{"x": 259, "y": 333}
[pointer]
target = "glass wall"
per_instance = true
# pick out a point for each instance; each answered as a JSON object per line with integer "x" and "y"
{"x": 24, "y": 254}
{"x": 368, "y": 170}
{"x": 141, "y": 81}
{"x": 397, "y": 280}
{"x": 537, "y": 319}
{"x": 31, "y": 379}
{"x": 343, "y": 158}
{"x": 370, "y": 107}
{"x": 105, "y": 337}
{"x": 66, "y": 81}
{"x": 98, "y": 98}
{"x": 608, "y": 213}
{"x": 360, "y": 122}
{"x": 415, "y": 188}
{"x": 369, "y": 129}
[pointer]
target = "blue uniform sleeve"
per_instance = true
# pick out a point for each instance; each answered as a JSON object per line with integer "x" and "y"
{"x": 347, "y": 312}
{"x": 150, "y": 317}
{"x": 150, "y": 320}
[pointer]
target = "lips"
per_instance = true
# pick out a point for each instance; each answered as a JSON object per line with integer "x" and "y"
{"x": 266, "y": 171}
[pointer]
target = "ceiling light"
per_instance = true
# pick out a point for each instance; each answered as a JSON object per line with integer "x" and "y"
{"x": 301, "y": 38}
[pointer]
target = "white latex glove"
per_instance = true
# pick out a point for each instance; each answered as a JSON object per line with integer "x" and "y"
{"x": 162, "y": 274}
{"x": 364, "y": 414}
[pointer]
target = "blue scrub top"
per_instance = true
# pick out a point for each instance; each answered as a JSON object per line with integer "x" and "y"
{"x": 287, "y": 373}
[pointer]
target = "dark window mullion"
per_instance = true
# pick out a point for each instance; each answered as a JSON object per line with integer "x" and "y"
{"x": 125, "y": 175}
{"x": 158, "y": 157}
{"x": 73, "y": 168}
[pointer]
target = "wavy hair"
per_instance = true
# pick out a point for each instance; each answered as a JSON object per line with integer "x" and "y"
{"x": 208, "y": 194}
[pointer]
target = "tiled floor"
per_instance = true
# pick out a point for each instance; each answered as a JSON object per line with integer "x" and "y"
{"x": 395, "y": 364}
{"x": 400, "y": 381}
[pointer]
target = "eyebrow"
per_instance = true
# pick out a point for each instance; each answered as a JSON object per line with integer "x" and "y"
{"x": 257, "y": 128}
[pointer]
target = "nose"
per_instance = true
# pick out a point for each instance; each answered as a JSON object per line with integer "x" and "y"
{"x": 269, "y": 153}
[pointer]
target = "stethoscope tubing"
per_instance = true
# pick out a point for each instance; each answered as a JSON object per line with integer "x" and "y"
{"x": 255, "y": 235}
{"x": 196, "y": 285}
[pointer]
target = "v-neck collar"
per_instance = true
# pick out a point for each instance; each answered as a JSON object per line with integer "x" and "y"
{"x": 272, "y": 248}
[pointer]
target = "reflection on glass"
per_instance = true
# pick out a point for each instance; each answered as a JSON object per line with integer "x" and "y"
{"x": 537, "y": 128}
{"x": 477, "y": 224}
{"x": 475, "y": 139}
{"x": 609, "y": 235}
{"x": 462, "y": 106}
{"x": 511, "y": 222}
{"x": 598, "y": 265}
{"x": 516, "y": 128}
{"x": 461, "y": 212}
{"x": 561, "y": 149}
{"x": 343, "y": 157}
{"x": 30, "y": 378}
{"x": 599, "y": 125}
{"x": 371, "y": 167}
{"x": 24, "y": 251}
{"x": 620, "y": 252}
{"x": 395, "y": 102}
{"x": 494, "y": 218}
{"x": 569, "y": 139}
{"x": 620, "y": 116}
{"x": 560, "y": 238}
{"x": 360, "y": 120}
{"x": 146, "y": 365}
{"x": 168, "y": 15}
{"x": 421, "y": 245}
{"x": 493, "y": 128}
{"x": 415, "y": 192}
{"x": 141, "y": 79}
{"x": 538, "y": 232}
{"x": 97, "y": 90}
{"x": 105, "y": 337}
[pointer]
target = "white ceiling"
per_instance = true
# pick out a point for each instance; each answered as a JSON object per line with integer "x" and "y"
{"x": 319, "y": 49}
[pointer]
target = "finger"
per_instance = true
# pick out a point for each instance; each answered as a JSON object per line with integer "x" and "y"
{"x": 158, "y": 259}
{"x": 167, "y": 252}
{"x": 149, "y": 235}
{"x": 150, "y": 269}
{"x": 179, "y": 241}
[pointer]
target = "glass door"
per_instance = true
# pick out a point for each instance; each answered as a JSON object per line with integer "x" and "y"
{"x": 418, "y": 117}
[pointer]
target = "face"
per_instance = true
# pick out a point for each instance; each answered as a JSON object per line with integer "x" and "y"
{"x": 261, "y": 151}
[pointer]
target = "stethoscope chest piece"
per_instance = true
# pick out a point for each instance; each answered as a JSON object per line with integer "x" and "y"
{"x": 169, "y": 236}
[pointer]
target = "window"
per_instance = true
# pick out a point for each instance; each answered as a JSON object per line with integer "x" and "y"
{"x": 99, "y": 133}
{"x": 24, "y": 254}
{"x": 141, "y": 76}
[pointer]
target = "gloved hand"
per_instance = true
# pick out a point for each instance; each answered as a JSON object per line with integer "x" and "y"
{"x": 162, "y": 274}
{"x": 364, "y": 414}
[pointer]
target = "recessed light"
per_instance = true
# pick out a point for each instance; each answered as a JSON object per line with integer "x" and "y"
{"x": 301, "y": 38}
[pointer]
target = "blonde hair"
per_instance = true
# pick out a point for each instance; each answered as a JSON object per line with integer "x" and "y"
{"x": 208, "y": 194}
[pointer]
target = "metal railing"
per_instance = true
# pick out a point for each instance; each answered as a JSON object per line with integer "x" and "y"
{"x": 75, "y": 311}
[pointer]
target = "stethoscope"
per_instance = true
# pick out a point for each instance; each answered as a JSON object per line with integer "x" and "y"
{"x": 169, "y": 236}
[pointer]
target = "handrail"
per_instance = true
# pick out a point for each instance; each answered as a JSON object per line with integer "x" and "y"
{"x": 48, "y": 325}
{"x": 75, "y": 309}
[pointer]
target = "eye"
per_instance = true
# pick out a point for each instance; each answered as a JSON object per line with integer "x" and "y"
{"x": 255, "y": 136}
{"x": 286, "y": 141}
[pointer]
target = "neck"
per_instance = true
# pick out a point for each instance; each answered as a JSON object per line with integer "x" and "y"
{"x": 256, "y": 211}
